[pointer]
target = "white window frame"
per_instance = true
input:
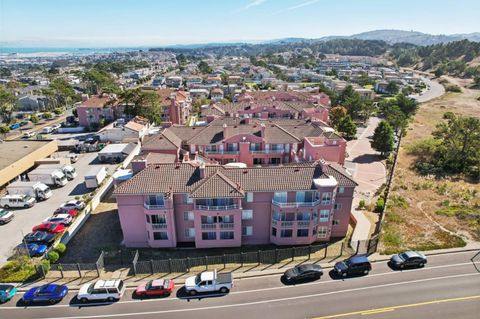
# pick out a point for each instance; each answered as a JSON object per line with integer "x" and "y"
{"x": 322, "y": 215}
{"x": 247, "y": 231}
{"x": 247, "y": 214}
{"x": 188, "y": 216}
{"x": 337, "y": 206}
{"x": 341, "y": 190}
{"x": 249, "y": 197}
{"x": 326, "y": 198}
{"x": 322, "y": 232}
{"x": 190, "y": 232}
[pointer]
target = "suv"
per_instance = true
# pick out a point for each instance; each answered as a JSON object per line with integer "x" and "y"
{"x": 355, "y": 265}
{"x": 109, "y": 290}
{"x": 5, "y": 216}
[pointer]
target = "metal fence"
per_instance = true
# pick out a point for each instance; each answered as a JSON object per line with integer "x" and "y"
{"x": 77, "y": 270}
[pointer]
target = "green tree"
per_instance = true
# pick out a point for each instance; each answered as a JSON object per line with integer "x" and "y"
{"x": 354, "y": 105}
{"x": 34, "y": 118}
{"x": 407, "y": 105}
{"x": 382, "y": 140}
{"x": 392, "y": 88}
{"x": 347, "y": 128}
{"x": 63, "y": 91}
{"x": 204, "y": 68}
{"x": 4, "y": 129}
{"x": 47, "y": 115}
{"x": 397, "y": 119}
{"x": 337, "y": 113}
{"x": 8, "y": 104}
{"x": 5, "y": 72}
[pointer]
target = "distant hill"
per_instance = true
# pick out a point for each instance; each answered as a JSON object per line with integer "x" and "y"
{"x": 414, "y": 37}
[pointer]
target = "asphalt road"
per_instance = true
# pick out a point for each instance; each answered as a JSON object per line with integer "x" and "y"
{"x": 435, "y": 90}
{"x": 448, "y": 287}
{"x": 12, "y": 233}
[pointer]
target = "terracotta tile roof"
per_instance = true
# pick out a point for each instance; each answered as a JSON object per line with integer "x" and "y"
{"x": 185, "y": 178}
{"x": 99, "y": 101}
{"x": 135, "y": 126}
{"x": 166, "y": 140}
{"x": 217, "y": 185}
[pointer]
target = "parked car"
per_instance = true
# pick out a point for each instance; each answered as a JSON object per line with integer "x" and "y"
{"x": 303, "y": 272}
{"x": 14, "y": 126}
{"x": 7, "y": 292}
{"x": 159, "y": 287}
{"x": 55, "y": 127}
{"x": 51, "y": 293}
{"x": 50, "y": 227}
{"x": 354, "y": 265}
{"x": 23, "y": 123}
{"x": 33, "y": 250}
{"x": 39, "y": 237}
{"x": 64, "y": 210}
{"x": 28, "y": 134}
{"x": 5, "y": 216}
{"x": 209, "y": 281}
{"x": 64, "y": 219}
{"x": 408, "y": 259}
{"x": 24, "y": 201}
{"x": 109, "y": 290}
{"x": 77, "y": 204}
{"x": 73, "y": 157}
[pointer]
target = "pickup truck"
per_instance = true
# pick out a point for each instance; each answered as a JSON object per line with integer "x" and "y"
{"x": 209, "y": 281}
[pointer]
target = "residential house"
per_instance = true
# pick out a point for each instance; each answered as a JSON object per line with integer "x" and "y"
{"x": 92, "y": 111}
{"x": 32, "y": 103}
{"x": 216, "y": 94}
{"x": 208, "y": 206}
{"x": 133, "y": 131}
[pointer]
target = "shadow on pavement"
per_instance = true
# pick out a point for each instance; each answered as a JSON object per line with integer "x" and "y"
{"x": 80, "y": 189}
{"x": 138, "y": 297}
{"x": 335, "y": 276}
{"x": 182, "y": 294}
{"x": 366, "y": 159}
{"x": 74, "y": 302}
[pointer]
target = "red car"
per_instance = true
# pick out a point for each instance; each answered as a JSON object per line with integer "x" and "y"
{"x": 158, "y": 287}
{"x": 52, "y": 228}
{"x": 63, "y": 210}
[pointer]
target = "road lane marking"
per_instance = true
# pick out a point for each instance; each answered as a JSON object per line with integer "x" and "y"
{"x": 256, "y": 290}
{"x": 258, "y": 302}
{"x": 393, "y": 308}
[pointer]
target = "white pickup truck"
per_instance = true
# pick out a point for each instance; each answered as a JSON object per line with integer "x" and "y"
{"x": 209, "y": 281}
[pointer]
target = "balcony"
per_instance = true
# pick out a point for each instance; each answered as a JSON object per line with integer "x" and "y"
{"x": 159, "y": 226}
{"x": 153, "y": 206}
{"x": 281, "y": 151}
{"x": 211, "y": 207}
{"x": 303, "y": 223}
{"x": 209, "y": 226}
{"x": 296, "y": 204}
{"x": 227, "y": 225}
{"x": 211, "y": 152}
{"x": 287, "y": 224}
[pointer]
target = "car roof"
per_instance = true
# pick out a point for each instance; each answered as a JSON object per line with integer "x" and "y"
{"x": 307, "y": 267}
{"x": 359, "y": 259}
{"x": 158, "y": 282}
{"x": 207, "y": 275}
{"x": 412, "y": 253}
{"x": 106, "y": 284}
{"x": 48, "y": 288}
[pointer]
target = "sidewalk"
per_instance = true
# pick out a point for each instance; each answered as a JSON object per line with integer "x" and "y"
{"x": 239, "y": 273}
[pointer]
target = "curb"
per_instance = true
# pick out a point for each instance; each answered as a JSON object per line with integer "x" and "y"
{"x": 240, "y": 276}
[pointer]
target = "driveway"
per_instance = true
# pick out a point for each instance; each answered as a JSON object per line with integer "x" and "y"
{"x": 25, "y": 219}
{"x": 434, "y": 90}
{"x": 364, "y": 163}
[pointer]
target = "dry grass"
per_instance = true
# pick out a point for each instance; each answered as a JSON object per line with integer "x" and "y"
{"x": 411, "y": 219}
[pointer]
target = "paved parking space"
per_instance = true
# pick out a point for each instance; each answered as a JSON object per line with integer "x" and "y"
{"x": 25, "y": 219}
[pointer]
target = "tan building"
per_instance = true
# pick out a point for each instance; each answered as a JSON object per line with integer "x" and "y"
{"x": 17, "y": 157}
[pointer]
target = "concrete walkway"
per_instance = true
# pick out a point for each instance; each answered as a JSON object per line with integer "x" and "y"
{"x": 364, "y": 163}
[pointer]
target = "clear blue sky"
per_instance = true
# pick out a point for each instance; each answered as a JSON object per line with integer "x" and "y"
{"x": 66, "y": 23}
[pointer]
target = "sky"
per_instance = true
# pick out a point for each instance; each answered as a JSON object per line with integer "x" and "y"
{"x": 103, "y": 23}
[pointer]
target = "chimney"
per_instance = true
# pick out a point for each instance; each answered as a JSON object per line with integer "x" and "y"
{"x": 225, "y": 130}
{"x": 139, "y": 165}
{"x": 202, "y": 170}
{"x": 262, "y": 128}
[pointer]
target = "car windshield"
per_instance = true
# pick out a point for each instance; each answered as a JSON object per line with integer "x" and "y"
{"x": 120, "y": 285}
{"x": 403, "y": 256}
{"x": 3, "y": 212}
{"x": 90, "y": 288}
{"x": 348, "y": 262}
{"x": 149, "y": 285}
{"x": 197, "y": 279}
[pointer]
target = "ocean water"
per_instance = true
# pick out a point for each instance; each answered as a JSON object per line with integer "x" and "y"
{"x": 79, "y": 51}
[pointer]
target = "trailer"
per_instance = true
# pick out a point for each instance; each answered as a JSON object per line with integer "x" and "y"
{"x": 95, "y": 176}
{"x": 48, "y": 176}
{"x": 59, "y": 160}
{"x": 33, "y": 189}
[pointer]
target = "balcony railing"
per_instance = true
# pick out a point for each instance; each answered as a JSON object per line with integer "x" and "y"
{"x": 159, "y": 226}
{"x": 222, "y": 152}
{"x": 211, "y": 207}
{"x": 287, "y": 224}
{"x": 303, "y": 223}
{"x": 153, "y": 206}
{"x": 209, "y": 226}
{"x": 227, "y": 225}
{"x": 268, "y": 151}
{"x": 296, "y": 204}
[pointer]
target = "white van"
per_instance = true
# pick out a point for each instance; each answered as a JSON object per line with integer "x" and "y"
{"x": 110, "y": 290}
{"x": 46, "y": 130}
{"x": 17, "y": 201}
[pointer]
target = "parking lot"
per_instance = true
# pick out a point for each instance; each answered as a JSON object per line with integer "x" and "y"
{"x": 25, "y": 219}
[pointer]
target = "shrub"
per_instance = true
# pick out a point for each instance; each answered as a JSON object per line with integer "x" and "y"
{"x": 53, "y": 256}
{"x": 4, "y": 129}
{"x": 362, "y": 204}
{"x": 60, "y": 248}
{"x": 58, "y": 111}
{"x": 18, "y": 270}
{"x": 47, "y": 115}
{"x": 380, "y": 205}
{"x": 399, "y": 201}
{"x": 34, "y": 118}
{"x": 45, "y": 264}
{"x": 453, "y": 88}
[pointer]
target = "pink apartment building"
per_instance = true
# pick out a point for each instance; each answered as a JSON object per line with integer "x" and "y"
{"x": 251, "y": 141}
{"x": 92, "y": 110}
{"x": 165, "y": 205}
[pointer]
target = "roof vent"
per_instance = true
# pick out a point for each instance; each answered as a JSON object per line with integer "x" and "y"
{"x": 157, "y": 166}
{"x": 177, "y": 166}
{"x": 245, "y": 172}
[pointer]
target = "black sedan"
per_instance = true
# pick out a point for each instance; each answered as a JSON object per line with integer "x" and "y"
{"x": 40, "y": 237}
{"x": 303, "y": 272}
{"x": 408, "y": 259}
